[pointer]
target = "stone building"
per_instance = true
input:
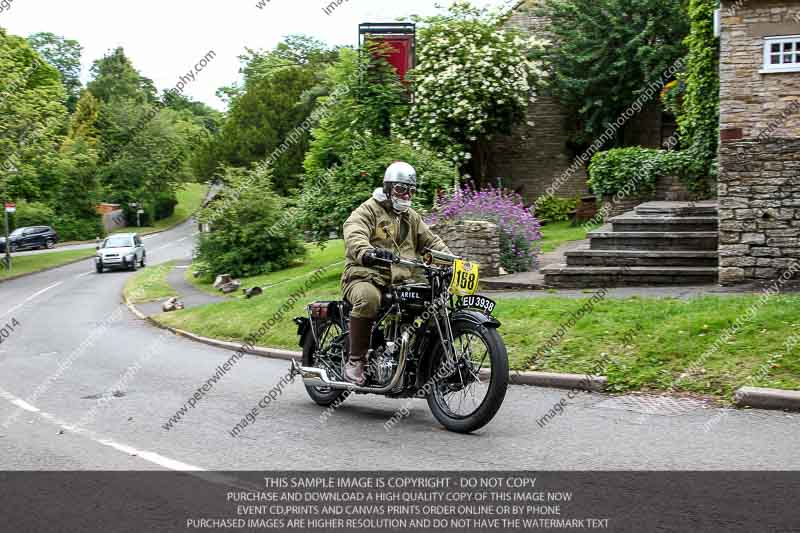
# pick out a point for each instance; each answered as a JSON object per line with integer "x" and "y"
{"x": 759, "y": 155}
{"x": 537, "y": 155}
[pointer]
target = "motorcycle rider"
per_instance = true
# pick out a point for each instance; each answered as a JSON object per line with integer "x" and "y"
{"x": 382, "y": 228}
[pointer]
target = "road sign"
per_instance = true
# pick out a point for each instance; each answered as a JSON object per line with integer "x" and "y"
{"x": 11, "y": 208}
{"x": 140, "y": 211}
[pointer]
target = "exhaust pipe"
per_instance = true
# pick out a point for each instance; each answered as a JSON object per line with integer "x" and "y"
{"x": 318, "y": 377}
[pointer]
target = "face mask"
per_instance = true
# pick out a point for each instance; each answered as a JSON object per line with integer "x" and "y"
{"x": 401, "y": 206}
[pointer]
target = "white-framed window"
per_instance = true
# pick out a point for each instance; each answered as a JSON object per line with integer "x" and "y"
{"x": 782, "y": 54}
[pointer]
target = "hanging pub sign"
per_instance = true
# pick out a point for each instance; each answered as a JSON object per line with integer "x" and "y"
{"x": 400, "y": 40}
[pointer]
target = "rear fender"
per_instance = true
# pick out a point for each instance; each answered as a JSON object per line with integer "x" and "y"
{"x": 303, "y": 328}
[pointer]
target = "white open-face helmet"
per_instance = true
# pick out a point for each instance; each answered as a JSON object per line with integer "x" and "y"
{"x": 400, "y": 172}
{"x": 400, "y": 184}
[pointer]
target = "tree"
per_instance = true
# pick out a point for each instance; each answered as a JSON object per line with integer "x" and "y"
{"x": 604, "y": 53}
{"x": 266, "y": 114}
{"x": 75, "y": 173}
{"x": 361, "y": 96}
{"x": 65, "y": 55}
{"x": 473, "y": 80}
{"x": 114, "y": 76}
{"x": 33, "y": 117}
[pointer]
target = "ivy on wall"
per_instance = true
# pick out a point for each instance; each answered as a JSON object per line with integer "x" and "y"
{"x": 698, "y": 122}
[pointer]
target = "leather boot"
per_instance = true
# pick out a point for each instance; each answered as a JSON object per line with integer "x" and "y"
{"x": 360, "y": 331}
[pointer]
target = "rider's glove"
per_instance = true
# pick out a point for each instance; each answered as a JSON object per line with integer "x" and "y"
{"x": 377, "y": 256}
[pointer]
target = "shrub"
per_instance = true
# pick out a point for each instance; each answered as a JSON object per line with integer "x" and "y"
{"x": 330, "y": 198}
{"x": 32, "y": 214}
{"x": 72, "y": 228}
{"x": 164, "y": 205}
{"x": 519, "y": 229}
{"x": 555, "y": 209}
{"x": 68, "y": 226}
{"x": 246, "y": 239}
{"x": 472, "y": 80}
{"x": 635, "y": 170}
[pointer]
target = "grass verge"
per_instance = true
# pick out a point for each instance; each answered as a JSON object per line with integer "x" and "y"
{"x": 558, "y": 233}
{"x": 28, "y": 264}
{"x": 640, "y": 344}
{"x": 150, "y": 284}
{"x": 190, "y": 198}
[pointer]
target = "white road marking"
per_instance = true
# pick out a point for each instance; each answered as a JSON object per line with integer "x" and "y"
{"x": 149, "y": 236}
{"x": 22, "y": 404}
{"x": 54, "y": 285}
{"x": 84, "y": 274}
{"x": 150, "y": 457}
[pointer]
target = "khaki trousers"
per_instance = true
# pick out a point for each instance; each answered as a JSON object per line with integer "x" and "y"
{"x": 365, "y": 298}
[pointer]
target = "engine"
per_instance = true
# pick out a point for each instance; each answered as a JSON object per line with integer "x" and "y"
{"x": 383, "y": 364}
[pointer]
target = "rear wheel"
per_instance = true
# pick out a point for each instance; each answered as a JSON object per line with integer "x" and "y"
{"x": 327, "y": 355}
{"x": 49, "y": 243}
{"x": 466, "y": 393}
{"x": 141, "y": 264}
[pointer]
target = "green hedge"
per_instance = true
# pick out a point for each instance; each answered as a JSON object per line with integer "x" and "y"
{"x": 555, "y": 209}
{"x": 634, "y": 170}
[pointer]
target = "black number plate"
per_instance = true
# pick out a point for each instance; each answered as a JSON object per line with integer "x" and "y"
{"x": 481, "y": 303}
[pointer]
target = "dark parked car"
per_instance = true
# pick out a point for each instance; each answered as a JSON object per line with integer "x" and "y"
{"x": 30, "y": 238}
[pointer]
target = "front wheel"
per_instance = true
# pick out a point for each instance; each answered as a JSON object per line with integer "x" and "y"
{"x": 467, "y": 391}
{"x": 327, "y": 355}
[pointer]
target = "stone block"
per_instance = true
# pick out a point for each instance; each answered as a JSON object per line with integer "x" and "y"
{"x": 766, "y": 273}
{"x": 753, "y": 238}
{"x": 726, "y": 262}
{"x": 731, "y": 275}
{"x": 733, "y": 250}
{"x": 757, "y": 251}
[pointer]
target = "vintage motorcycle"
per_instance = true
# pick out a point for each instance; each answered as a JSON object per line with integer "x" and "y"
{"x": 436, "y": 340}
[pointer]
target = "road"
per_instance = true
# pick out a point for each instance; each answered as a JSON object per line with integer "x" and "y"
{"x": 84, "y": 385}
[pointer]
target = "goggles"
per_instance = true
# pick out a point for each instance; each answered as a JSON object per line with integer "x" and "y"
{"x": 402, "y": 189}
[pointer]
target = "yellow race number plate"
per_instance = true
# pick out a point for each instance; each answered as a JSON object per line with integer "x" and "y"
{"x": 465, "y": 278}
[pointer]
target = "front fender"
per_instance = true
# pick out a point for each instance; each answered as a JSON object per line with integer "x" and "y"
{"x": 460, "y": 316}
{"x": 475, "y": 317}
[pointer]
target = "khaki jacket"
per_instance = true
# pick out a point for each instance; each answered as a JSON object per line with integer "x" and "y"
{"x": 374, "y": 224}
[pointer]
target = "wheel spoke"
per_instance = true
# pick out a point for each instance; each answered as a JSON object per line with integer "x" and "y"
{"x": 462, "y": 396}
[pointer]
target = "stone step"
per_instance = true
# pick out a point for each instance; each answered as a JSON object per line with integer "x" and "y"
{"x": 705, "y": 208}
{"x": 631, "y": 221}
{"x": 604, "y": 239}
{"x": 642, "y": 258}
{"x": 576, "y": 277}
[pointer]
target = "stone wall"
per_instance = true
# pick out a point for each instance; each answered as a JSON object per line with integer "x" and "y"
{"x": 751, "y": 103}
{"x": 759, "y": 155}
{"x": 759, "y": 209}
{"x": 474, "y": 240}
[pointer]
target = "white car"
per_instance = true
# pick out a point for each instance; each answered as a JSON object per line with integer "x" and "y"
{"x": 122, "y": 250}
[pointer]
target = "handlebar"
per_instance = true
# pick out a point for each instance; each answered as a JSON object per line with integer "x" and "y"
{"x": 411, "y": 263}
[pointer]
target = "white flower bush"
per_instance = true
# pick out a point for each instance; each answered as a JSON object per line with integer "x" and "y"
{"x": 472, "y": 79}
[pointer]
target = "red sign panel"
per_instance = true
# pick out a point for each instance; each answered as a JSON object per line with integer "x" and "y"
{"x": 401, "y": 56}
